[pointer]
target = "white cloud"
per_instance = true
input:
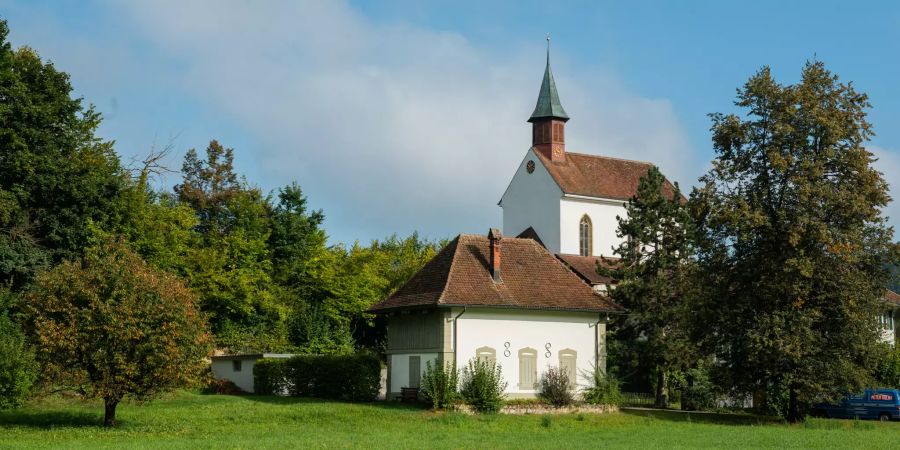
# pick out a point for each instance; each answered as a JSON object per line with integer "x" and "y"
{"x": 388, "y": 127}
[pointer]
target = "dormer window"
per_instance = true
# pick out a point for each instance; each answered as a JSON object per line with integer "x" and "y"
{"x": 585, "y": 236}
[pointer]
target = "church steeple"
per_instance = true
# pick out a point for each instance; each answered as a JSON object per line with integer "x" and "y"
{"x": 549, "y": 118}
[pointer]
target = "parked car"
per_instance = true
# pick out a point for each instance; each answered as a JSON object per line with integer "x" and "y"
{"x": 882, "y": 404}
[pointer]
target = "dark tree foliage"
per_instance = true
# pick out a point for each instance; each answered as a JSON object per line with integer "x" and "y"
{"x": 792, "y": 244}
{"x": 654, "y": 273}
{"x": 56, "y": 175}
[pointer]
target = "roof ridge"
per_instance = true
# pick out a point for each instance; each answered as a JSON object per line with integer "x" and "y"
{"x": 614, "y": 158}
{"x": 568, "y": 270}
{"x": 455, "y": 243}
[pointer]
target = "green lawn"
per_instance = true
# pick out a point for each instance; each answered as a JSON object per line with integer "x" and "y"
{"x": 187, "y": 420}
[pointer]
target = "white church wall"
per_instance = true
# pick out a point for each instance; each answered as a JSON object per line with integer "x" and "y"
{"x": 521, "y": 329}
{"x": 603, "y": 218}
{"x": 531, "y": 200}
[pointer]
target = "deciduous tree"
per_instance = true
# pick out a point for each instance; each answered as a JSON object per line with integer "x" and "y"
{"x": 113, "y": 327}
{"x": 793, "y": 244}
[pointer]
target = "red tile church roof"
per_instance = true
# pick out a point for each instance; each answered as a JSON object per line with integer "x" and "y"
{"x": 586, "y": 267}
{"x": 532, "y": 278}
{"x": 599, "y": 176}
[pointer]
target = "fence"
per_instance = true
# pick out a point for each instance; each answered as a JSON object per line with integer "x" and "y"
{"x": 638, "y": 399}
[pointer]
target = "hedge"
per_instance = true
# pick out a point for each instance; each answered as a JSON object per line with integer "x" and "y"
{"x": 351, "y": 377}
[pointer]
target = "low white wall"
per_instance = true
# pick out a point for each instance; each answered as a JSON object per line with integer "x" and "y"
{"x": 531, "y": 329}
{"x": 223, "y": 369}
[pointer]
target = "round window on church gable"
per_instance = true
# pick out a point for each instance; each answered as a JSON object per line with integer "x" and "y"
{"x": 529, "y": 166}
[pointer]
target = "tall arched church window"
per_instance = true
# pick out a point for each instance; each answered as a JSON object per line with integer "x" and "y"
{"x": 585, "y": 236}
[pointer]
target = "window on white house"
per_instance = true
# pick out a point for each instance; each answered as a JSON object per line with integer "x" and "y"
{"x": 568, "y": 364}
{"x": 527, "y": 368}
{"x": 415, "y": 371}
{"x": 236, "y": 365}
{"x": 887, "y": 320}
{"x": 585, "y": 236}
{"x": 486, "y": 354}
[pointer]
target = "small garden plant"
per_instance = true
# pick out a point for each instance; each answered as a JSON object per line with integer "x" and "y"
{"x": 439, "y": 385}
{"x": 555, "y": 387}
{"x": 483, "y": 385}
{"x": 604, "y": 391}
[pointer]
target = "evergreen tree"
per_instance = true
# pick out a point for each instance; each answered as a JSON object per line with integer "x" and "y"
{"x": 654, "y": 273}
{"x": 793, "y": 247}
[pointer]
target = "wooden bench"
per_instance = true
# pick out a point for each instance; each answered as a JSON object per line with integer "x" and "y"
{"x": 409, "y": 394}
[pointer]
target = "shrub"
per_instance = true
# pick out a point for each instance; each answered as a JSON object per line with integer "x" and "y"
{"x": 341, "y": 377}
{"x": 18, "y": 370}
{"x": 554, "y": 387}
{"x": 605, "y": 390}
{"x": 439, "y": 385}
{"x": 699, "y": 392}
{"x": 483, "y": 386}
{"x": 887, "y": 372}
{"x": 270, "y": 377}
{"x": 223, "y": 387}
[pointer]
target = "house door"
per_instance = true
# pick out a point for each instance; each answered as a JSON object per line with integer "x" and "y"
{"x": 415, "y": 374}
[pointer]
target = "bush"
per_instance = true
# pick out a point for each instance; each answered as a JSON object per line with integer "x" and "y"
{"x": 483, "y": 386}
{"x": 887, "y": 372}
{"x": 699, "y": 392}
{"x": 18, "y": 370}
{"x": 349, "y": 377}
{"x": 223, "y": 387}
{"x": 439, "y": 386}
{"x": 270, "y": 377}
{"x": 554, "y": 387}
{"x": 605, "y": 390}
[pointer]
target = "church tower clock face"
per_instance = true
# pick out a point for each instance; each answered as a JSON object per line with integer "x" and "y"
{"x": 529, "y": 166}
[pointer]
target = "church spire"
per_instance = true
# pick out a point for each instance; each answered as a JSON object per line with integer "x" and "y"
{"x": 548, "y": 104}
{"x": 548, "y": 121}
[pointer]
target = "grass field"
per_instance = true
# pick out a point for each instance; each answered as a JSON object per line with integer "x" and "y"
{"x": 187, "y": 420}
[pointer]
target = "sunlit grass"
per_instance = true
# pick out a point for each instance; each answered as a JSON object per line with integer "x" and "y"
{"x": 187, "y": 420}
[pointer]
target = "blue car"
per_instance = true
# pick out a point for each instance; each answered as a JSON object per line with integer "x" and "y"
{"x": 881, "y": 404}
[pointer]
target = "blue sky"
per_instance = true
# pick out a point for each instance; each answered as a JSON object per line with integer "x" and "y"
{"x": 410, "y": 115}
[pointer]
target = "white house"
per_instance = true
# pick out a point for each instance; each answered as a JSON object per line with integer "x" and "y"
{"x": 239, "y": 368}
{"x": 508, "y": 300}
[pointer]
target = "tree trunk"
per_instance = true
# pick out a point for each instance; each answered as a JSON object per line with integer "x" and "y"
{"x": 109, "y": 417}
{"x": 662, "y": 390}
{"x": 793, "y": 415}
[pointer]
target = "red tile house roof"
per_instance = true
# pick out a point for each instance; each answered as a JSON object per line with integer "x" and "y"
{"x": 531, "y": 278}
{"x": 529, "y": 233}
{"x": 586, "y": 267}
{"x": 891, "y": 297}
{"x": 598, "y": 176}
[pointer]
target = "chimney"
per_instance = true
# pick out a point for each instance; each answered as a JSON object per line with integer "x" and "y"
{"x": 495, "y": 236}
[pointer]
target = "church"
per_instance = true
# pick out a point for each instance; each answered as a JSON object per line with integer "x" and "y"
{"x": 529, "y": 297}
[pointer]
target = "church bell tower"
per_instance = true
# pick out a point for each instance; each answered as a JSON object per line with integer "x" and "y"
{"x": 548, "y": 120}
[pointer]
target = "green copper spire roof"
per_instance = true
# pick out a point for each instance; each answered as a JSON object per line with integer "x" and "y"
{"x": 548, "y": 104}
